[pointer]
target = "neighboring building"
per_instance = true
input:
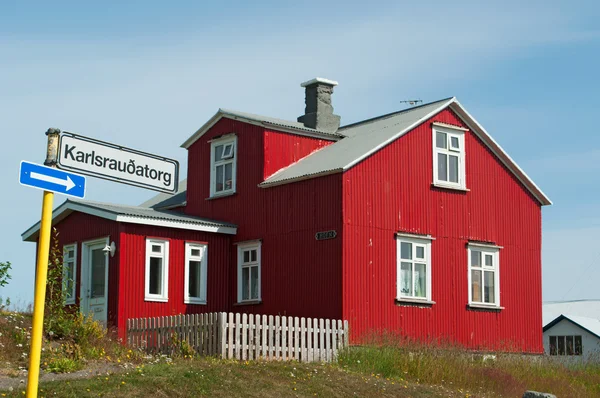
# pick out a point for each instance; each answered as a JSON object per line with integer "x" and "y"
{"x": 573, "y": 338}
{"x": 586, "y": 308}
{"x": 415, "y": 222}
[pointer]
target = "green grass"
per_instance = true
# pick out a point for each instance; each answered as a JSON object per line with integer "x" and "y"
{"x": 219, "y": 378}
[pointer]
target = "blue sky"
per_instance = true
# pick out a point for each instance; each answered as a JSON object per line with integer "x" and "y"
{"x": 146, "y": 75}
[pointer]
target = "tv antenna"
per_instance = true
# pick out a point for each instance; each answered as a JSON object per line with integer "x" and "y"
{"x": 412, "y": 102}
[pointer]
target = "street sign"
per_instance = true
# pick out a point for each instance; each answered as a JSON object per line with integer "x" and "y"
{"x": 115, "y": 163}
{"x": 51, "y": 179}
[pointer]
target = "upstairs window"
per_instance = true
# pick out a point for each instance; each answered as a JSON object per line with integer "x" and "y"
{"x": 448, "y": 157}
{"x": 484, "y": 275}
{"x": 413, "y": 268}
{"x": 223, "y": 166}
{"x": 69, "y": 272}
{"x": 195, "y": 273}
{"x": 566, "y": 345}
{"x": 249, "y": 272}
{"x": 157, "y": 270}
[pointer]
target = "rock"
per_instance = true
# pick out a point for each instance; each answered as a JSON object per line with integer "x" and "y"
{"x": 535, "y": 394}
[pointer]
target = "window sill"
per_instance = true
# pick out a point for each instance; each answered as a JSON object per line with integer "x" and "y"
{"x": 414, "y": 302}
{"x": 157, "y": 299}
{"x": 448, "y": 186}
{"x": 484, "y": 307}
{"x": 249, "y": 302}
{"x": 222, "y": 195}
{"x": 193, "y": 302}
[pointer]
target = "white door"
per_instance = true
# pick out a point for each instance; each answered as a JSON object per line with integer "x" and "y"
{"x": 95, "y": 286}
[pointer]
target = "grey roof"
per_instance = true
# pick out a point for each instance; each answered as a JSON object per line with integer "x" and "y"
{"x": 276, "y": 122}
{"x": 132, "y": 214}
{"x": 361, "y": 138}
{"x": 592, "y": 325}
{"x": 584, "y": 308}
{"x": 167, "y": 200}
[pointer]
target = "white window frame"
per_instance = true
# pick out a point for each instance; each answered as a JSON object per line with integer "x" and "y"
{"x": 458, "y": 133}
{"x": 249, "y": 246}
{"x": 485, "y": 250}
{"x": 415, "y": 241}
{"x": 164, "y": 297}
{"x": 203, "y": 258}
{"x": 66, "y": 248}
{"x": 229, "y": 141}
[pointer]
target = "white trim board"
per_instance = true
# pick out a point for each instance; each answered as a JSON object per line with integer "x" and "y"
{"x": 64, "y": 210}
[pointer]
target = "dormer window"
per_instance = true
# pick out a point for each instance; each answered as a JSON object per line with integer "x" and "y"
{"x": 449, "y": 157}
{"x": 223, "y": 166}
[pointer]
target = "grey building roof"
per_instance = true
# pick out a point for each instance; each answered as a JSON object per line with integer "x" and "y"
{"x": 133, "y": 215}
{"x": 362, "y": 138}
{"x": 584, "y": 308}
{"x": 167, "y": 201}
{"x": 592, "y": 325}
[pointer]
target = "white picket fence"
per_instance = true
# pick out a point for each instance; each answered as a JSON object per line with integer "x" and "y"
{"x": 242, "y": 336}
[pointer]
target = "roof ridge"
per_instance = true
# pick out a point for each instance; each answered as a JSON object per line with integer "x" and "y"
{"x": 392, "y": 114}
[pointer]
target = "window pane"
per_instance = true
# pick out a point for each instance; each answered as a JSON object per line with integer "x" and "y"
{"x": 440, "y": 140}
{"x": 453, "y": 168}
{"x": 219, "y": 179}
{"x": 246, "y": 256}
{"x": 570, "y": 348}
{"x": 476, "y": 286}
{"x": 69, "y": 281}
{"x": 245, "y": 283}
{"x": 420, "y": 252}
{"x": 254, "y": 282}
{"x": 406, "y": 279}
{"x": 475, "y": 258}
{"x": 406, "y": 250}
{"x": 218, "y": 153}
{"x": 70, "y": 254}
{"x": 420, "y": 278}
{"x": 552, "y": 345}
{"x": 227, "y": 151}
{"x": 489, "y": 260}
{"x": 253, "y": 255}
{"x": 454, "y": 142}
{"x": 228, "y": 176}
{"x": 488, "y": 287}
{"x": 194, "y": 278}
{"x": 578, "y": 346}
{"x": 196, "y": 252}
{"x": 98, "y": 273}
{"x": 155, "y": 275}
{"x": 156, "y": 248}
{"x": 561, "y": 345}
{"x": 442, "y": 167}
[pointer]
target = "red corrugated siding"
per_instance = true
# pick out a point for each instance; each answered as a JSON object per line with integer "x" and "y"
{"x": 300, "y": 276}
{"x": 79, "y": 227}
{"x": 281, "y": 150}
{"x": 497, "y": 208}
{"x": 132, "y": 252}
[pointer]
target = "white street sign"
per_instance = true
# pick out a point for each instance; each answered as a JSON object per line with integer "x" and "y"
{"x": 112, "y": 162}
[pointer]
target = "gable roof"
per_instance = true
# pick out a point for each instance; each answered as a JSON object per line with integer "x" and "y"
{"x": 259, "y": 120}
{"x": 586, "y": 308}
{"x": 590, "y": 325}
{"x": 166, "y": 201}
{"x": 133, "y": 215}
{"x": 367, "y": 137}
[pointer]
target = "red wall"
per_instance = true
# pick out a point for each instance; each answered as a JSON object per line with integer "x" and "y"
{"x": 132, "y": 257}
{"x": 497, "y": 209}
{"x": 79, "y": 227}
{"x": 299, "y": 274}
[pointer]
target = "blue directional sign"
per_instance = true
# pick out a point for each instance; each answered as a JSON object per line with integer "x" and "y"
{"x": 51, "y": 179}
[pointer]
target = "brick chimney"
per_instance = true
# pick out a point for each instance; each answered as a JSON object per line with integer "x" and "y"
{"x": 318, "y": 113}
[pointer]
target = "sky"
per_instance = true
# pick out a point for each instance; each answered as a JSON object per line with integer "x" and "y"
{"x": 147, "y": 74}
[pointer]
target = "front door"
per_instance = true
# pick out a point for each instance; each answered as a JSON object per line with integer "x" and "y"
{"x": 96, "y": 278}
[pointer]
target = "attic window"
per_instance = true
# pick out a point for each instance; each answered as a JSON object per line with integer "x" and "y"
{"x": 448, "y": 157}
{"x": 223, "y": 166}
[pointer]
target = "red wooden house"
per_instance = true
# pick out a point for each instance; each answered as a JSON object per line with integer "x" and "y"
{"x": 415, "y": 222}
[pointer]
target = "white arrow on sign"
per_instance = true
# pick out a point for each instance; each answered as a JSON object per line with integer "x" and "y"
{"x": 68, "y": 183}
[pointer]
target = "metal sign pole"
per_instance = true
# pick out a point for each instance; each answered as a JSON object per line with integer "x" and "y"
{"x": 41, "y": 274}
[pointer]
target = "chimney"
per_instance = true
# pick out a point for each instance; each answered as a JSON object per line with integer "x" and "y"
{"x": 319, "y": 111}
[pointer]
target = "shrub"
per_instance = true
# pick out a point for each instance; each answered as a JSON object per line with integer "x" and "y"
{"x": 62, "y": 365}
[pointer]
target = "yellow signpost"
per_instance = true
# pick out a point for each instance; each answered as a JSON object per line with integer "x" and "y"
{"x": 41, "y": 273}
